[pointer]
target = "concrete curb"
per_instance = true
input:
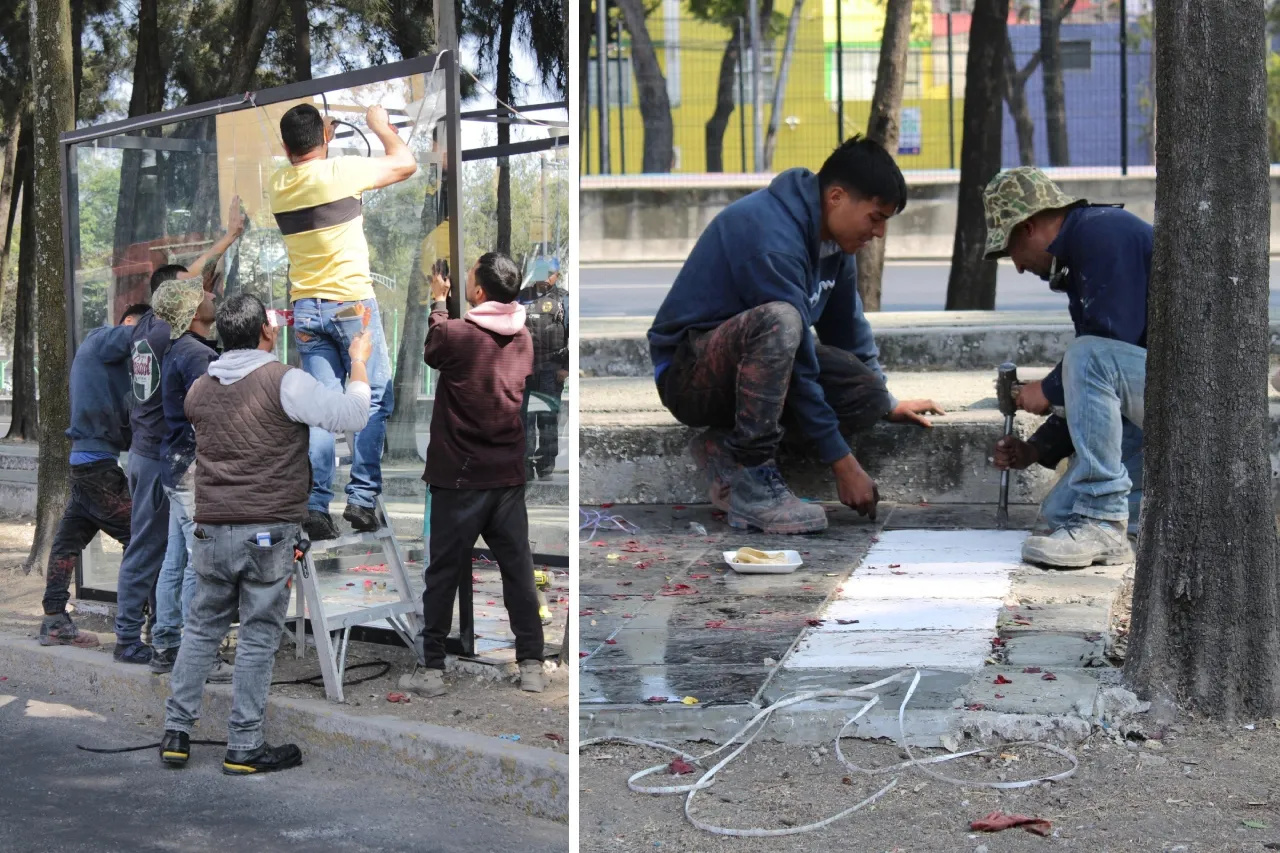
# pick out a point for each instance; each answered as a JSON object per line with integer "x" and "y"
{"x": 488, "y": 769}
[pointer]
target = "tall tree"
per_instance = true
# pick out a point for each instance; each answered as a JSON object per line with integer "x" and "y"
{"x": 301, "y": 47}
{"x": 23, "y": 422}
{"x": 1052, "y": 13}
{"x": 972, "y": 283}
{"x": 884, "y": 126}
{"x": 1015, "y": 93}
{"x": 8, "y": 198}
{"x": 1206, "y": 602}
{"x": 780, "y": 84}
{"x": 731, "y": 14}
{"x": 655, "y": 105}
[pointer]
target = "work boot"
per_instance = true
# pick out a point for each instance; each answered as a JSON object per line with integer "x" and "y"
{"x": 760, "y": 498}
{"x": 175, "y": 749}
{"x": 1080, "y": 543}
{"x": 531, "y": 676}
{"x": 162, "y": 660}
{"x": 59, "y": 630}
{"x": 264, "y": 759}
{"x": 363, "y": 519}
{"x": 319, "y": 526}
{"x": 134, "y": 652}
{"x": 424, "y": 682}
{"x": 222, "y": 673}
{"x": 712, "y": 457}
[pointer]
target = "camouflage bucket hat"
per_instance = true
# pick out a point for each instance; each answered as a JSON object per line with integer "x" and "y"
{"x": 1013, "y": 197}
{"x": 176, "y": 302}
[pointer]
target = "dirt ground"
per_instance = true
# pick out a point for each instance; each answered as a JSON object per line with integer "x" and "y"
{"x": 478, "y": 704}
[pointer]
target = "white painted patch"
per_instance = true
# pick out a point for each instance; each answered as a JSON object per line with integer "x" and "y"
{"x": 52, "y": 710}
{"x": 5, "y": 700}
{"x": 925, "y": 598}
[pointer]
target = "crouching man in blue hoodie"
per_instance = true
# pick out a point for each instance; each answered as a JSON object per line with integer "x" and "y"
{"x": 733, "y": 344}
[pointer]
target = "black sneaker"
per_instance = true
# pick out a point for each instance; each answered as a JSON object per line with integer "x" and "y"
{"x": 363, "y": 519}
{"x": 175, "y": 749}
{"x": 319, "y": 526}
{"x": 162, "y": 660}
{"x": 264, "y": 759}
{"x": 135, "y": 652}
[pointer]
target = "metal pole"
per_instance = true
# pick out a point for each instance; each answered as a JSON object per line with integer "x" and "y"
{"x": 622, "y": 131}
{"x": 742, "y": 92}
{"x": 757, "y": 102}
{"x": 602, "y": 82}
{"x": 1124, "y": 89}
{"x": 951, "y": 97}
{"x": 839, "y": 74}
{"x": 544, "y": 203}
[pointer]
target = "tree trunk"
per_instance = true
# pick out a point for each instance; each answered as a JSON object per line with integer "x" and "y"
{"x": 1015, "y": 95}
{"x": 23, "y": 422}
{"x": 255, "y": 18}
{"x": 884, "y": 126}
{"x": 1205, "y": 608}
{"x": 585, "y": 29}
{"x": 77, "y": 48}
{"x": 506, "y": 23}
{"x": 301, "y": 40}
{"x": 972, "y": 284}
{"x": 725, "y": 101}
{"x": 780, "y": 85}
{"x": 655, "y": 106}
{"x": 53, "y": 81}
{"x": 1055, "y": 98}
{"x": 8, "y": 199}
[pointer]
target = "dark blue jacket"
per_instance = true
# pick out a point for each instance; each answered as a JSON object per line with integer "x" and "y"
{"x": 764, "y": 248}
{"x": 100, "y": 392}
{"x": 187, "y": 361}
{"x": 149, "y": 344}
{"x": 1107, "y": 253}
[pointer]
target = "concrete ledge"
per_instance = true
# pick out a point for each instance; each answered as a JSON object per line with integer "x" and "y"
{"x": 488, "y": 769}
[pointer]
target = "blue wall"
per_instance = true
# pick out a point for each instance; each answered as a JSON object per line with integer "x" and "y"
{"x": 1093, "y": 99}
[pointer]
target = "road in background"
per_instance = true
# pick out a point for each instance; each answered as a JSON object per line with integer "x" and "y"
{"x": 638, "y": 290}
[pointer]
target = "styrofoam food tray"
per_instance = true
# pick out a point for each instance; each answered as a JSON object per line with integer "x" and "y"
{"x": 793, "y": 562}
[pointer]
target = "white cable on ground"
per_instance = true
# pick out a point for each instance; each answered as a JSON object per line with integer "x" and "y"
{"x": 758, "y": 722}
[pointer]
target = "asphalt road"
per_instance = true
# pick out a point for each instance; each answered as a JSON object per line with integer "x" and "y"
{"x": 54, "y": 797}
{"x": 638, "y": 290}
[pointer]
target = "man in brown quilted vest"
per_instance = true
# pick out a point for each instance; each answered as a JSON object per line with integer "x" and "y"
{"x": 252, "y": 417}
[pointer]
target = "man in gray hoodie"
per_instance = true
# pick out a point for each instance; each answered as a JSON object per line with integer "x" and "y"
{"x": 252, "y": 417}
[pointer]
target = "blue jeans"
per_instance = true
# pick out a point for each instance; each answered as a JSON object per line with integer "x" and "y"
{"x": 149, "y": 527}
{"x": 1104, "y": 381}
{"x": 177, "y": 582}
{"x": 323, "y": 341}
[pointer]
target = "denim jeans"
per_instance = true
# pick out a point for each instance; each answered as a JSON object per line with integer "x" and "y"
{"x": 1104, "y": 381}
{"x": 323, "y": 340}
{"x": 149, "y": 539}
{"x": 177, "y": 582}
{"x": 233, "y": 571}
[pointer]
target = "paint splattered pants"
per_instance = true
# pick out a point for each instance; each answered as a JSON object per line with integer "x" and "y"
{"x": 737, "y": 377}
{"x": 99, "y": 501}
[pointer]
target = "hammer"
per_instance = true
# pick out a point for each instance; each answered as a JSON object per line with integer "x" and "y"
{"x": 1007, "y": 388}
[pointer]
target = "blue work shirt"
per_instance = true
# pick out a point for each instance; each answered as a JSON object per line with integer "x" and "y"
{"x": 188, "y": 359}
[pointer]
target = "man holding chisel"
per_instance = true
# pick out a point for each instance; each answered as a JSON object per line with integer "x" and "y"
{"x": 1100, "y": 257}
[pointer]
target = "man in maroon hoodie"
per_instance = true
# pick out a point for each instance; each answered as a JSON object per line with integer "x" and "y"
{"x": 475, "y": 464}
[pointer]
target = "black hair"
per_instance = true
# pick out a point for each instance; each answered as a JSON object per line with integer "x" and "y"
{"x": 302, "y": 130}
{"x": 240, "y": 320}
{"x": 499, "y": 276}
{"x": 168, "y": 272}
{"x": 135, "y": 310}
{"x": 862, "y": 166}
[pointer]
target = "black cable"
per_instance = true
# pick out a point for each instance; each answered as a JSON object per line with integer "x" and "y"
{"x": 314, "y": 681}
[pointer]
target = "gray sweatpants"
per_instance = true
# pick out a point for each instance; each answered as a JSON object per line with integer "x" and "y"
{"x": 232, "y": 571}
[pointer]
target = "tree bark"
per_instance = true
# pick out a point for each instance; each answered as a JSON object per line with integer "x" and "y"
{"x": 1015, "y": 95}
{"x": 77, "y": 48}
{"x": 725, "y": 101}
{"x": 884, "y": 126}
{"x": 655, "y": 106}
{"x": 506, "y": 23}
{"x": 255, "y": 18}
{"x": 301, "y": 40}
{"x": 23, "y": 422}
{"x": 1055, "y": 98}
{"x": 780, "y": 85}
{"x": 1206, "y": 594}
{"x": 972, "y": 283}
{"x": 8, "y": 199}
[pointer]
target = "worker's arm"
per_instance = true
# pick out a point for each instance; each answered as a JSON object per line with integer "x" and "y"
{"x": 308, "y": 402}
{"x": 398, "y": 163}
{"x": 203, "y": 266}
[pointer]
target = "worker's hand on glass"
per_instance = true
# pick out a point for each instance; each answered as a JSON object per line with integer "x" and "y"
{"x": 856, "y": 488}
{"x": 361, "y": 347}
{"x": 913, "y": 412}
{"x": 440, "y": 287}
{"x": 562, "y": 376}
{"x": 1032, "y": 399}
{"x": 377, "y": 120}
{"x": 1014, "y": 453}
{"x": 237, "y": 221}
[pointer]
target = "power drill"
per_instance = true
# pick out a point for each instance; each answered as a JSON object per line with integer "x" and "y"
{"x": 1007, "y": 388}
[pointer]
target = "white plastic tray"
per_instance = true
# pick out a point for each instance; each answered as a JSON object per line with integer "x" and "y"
{"x": 793, "y": 562}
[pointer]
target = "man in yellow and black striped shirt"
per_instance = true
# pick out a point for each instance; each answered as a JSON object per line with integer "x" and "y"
{"x": 318, "y": 208}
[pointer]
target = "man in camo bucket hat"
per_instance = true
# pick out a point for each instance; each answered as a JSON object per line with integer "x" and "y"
{"x": 1100, "y": 257}
{"x": 176, "y": 302}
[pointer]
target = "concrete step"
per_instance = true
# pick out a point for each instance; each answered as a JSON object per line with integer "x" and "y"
{"x": 908, "y": 341}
